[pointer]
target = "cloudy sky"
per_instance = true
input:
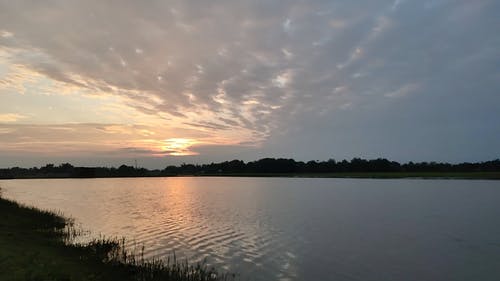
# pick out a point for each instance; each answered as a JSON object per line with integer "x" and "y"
{"x": 165, "y": 82}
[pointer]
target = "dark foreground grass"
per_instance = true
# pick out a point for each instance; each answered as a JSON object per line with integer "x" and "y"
{"x": 34, "y": 245}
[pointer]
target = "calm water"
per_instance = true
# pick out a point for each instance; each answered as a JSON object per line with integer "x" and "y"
{"x": 293, "y": 228}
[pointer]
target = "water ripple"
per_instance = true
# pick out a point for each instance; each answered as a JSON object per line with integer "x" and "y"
{"x": 290, "y": 229}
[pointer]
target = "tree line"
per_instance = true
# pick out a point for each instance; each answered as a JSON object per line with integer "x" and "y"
{"x": 263, "y": 166}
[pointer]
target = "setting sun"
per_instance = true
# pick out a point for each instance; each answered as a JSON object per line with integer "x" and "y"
{"x": 178, "y": 147}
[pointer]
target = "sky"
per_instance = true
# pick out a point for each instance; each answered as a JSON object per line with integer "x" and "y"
{"x": 104, "y": 83}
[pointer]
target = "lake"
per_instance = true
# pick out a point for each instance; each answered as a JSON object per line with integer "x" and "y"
{"x": 302, "y": 229}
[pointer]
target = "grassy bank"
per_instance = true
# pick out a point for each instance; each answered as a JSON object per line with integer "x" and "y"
{"x": 34, "y": 246}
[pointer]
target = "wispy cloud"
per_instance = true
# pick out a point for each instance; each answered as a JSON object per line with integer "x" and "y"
{"x": 403, "y": 91}
{"x": 10, "y": 117}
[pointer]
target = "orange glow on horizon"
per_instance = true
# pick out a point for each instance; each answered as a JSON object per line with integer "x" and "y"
{"x": 179, "y": 146}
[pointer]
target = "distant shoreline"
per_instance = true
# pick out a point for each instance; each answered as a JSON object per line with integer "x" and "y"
{"x": 355, "y": 175}
{"x": 272, "y": 167}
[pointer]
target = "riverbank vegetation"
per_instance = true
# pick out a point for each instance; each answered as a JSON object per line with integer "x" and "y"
{"x": 359, "y": 168}
{"x": 35, "y": 245}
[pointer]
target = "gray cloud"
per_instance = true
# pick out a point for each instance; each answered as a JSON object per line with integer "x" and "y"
{"x": 400, "y": 79}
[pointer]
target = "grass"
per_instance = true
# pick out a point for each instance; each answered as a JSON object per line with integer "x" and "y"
{"x": 34, "y": 245}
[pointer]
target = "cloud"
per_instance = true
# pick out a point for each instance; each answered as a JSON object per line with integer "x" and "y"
{"x": 403, "y": 91}
{"x": 78, "y": 139}
{"x": 6, "y": 34}
{"x": 10, "y": 117}
{"x": 229, "y": 72}
{"x": 396, "y": 4}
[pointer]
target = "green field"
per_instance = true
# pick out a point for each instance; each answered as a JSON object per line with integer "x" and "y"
{"x": 33, "y": 246}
